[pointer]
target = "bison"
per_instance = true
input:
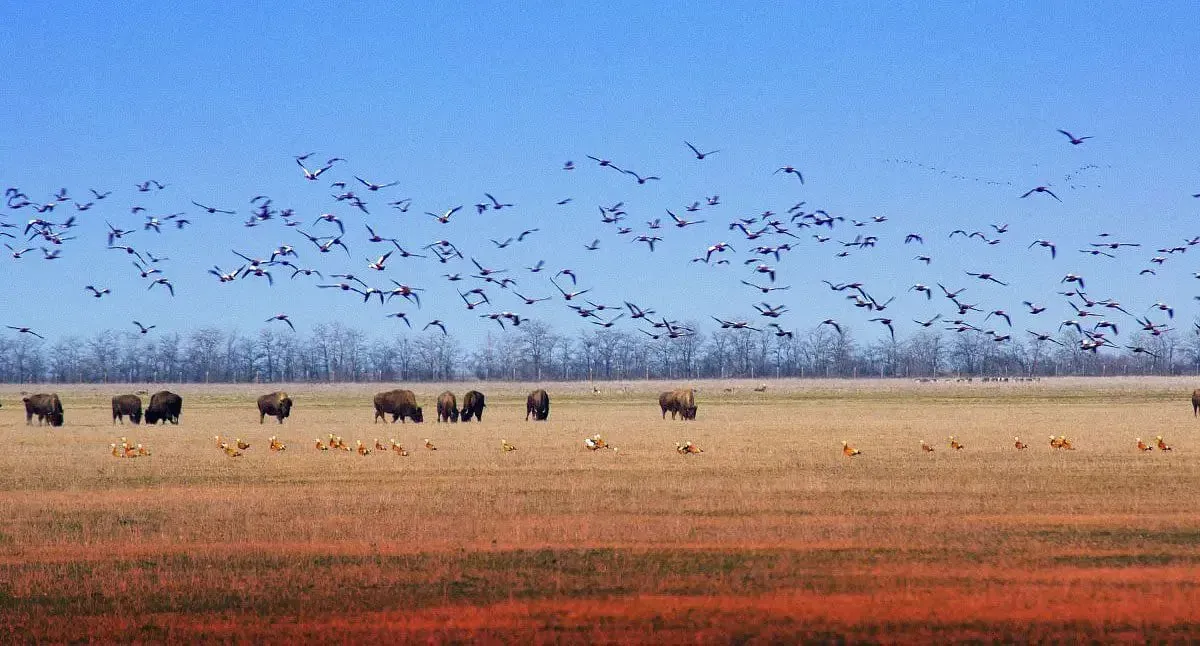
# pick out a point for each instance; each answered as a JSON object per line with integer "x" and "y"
{"x": 164, "y": 406}
{"x": 276, "y": 404}
{"x": 1196, "y": 402}
{"x": 472, "y": 405}
{"x": 537, "y": 404}
{"x": 681, "y": 401}
{"x": 47, "y": 407}
{"x": 399, "y": 404}
{"x": 130, "y": 405}
{"x": 447, "y": 407}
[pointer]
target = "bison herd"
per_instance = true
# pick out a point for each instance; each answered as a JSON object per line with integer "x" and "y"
{"x": 166, "y": 406}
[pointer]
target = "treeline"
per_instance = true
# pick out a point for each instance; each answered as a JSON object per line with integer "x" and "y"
{"x": 334, "y": 352}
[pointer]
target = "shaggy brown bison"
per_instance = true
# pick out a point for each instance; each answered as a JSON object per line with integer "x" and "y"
{"x": 537, "y": 404}
{"x": 447, "y": 407}
{"x": 472, "y": 405}
{"x": 681, "y": 401}
{"x": 130, "y": 405}
{"x": 276, "y": 404}
{"x": 399, "y": 404}
{"x": 1196, "y": 402}
{"x": 165, "y": 406}
{"x": 47, "y": 407}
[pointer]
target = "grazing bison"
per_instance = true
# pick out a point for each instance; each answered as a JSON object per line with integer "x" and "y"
{"x": 165, "y": 406}
{"x": 681, "y": 401}
{"x": 276, "y": 404}
{"x": 1196, "y": 402}
{"x": 537, "y": 404}
{"x": 47, "y": 407}
{"x": 130, "y": 405}
{"x": 472, "y": 405}
{"x": 399, "y": 404}
{"x": 447, "y": 407}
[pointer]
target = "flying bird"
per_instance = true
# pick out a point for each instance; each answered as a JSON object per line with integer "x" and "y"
{"x": 1075, "y": 141}
{"x": 790, "y": 169}
{"x": 697, "y": 153}
{"x": 1040, "y": 189}
{"x": 284, "y": 318}
{"x": 25, "y": 330}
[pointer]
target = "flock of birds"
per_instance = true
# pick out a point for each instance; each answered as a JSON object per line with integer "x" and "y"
{"x": 319, "y": 250}
{"x": 123, "y": 448}
{"x": 1056, "y": 442}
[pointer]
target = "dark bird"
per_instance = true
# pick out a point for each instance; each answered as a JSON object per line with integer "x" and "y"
{"x": 496, "y": 204}
{"x": 697, "y": 153}
{"x": 1045, "y": 243}
{"x": 165, "y": 283}
{"x": 790, "y": 169}
{"x": 568, "y": 295}
{"x": 372, "y": 186}
{"x": 144, "y": 328}
{"x": 212, "y": 209}
{"x": 639, "y": 178}
{"x": 97, "y": 292}
{"x": 1075, "y": 141}
{"x": 1040, "y": 189}
{"x": 25, "y": 330}
{"x": 329, "y": 217}
{"x": 284, "y": 318}
{"x": 888, "y": 323}
{"x": 435, "y": 323}
{"x": 603, "y": 162}
{"x": 680, "y": 222}
{"x": 1039, "y": 336}
{"x": 832, "y": 323}
{"x": 986, "y": 276}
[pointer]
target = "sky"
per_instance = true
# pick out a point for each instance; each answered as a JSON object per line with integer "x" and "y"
{"x": 931, "y": 117}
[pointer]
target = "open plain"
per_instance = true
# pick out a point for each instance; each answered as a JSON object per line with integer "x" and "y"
{"x": 770, "y": 534}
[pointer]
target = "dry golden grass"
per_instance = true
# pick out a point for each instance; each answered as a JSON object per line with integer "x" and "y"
{"x": 771, "y": 534}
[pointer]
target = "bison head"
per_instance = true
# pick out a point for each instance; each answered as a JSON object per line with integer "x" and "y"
{"x": 417, "y": 415}
{"x": 55, "y": 419}
{"x": 285, "y": 406}
{"x": 136, "y": 417}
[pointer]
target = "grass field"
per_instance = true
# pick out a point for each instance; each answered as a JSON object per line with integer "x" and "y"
{"x": 771, "y": 534}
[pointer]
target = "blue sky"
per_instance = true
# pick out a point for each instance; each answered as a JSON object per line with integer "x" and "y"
{"x": 895, "y": 111}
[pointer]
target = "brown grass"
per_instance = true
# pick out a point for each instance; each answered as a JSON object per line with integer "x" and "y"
{"x": 770, "y": 535}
